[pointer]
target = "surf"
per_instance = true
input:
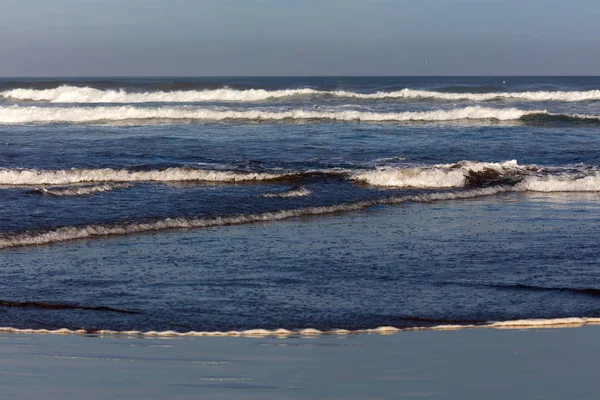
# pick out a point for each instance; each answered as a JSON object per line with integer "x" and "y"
{"x": 35, "y": 114}
{"x": 75, "y": 94}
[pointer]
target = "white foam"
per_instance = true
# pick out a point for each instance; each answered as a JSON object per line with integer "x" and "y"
{"x": 68, "y": 233}
{"x": 73, "y": 94}
{"x": 296, "y": 192}
{"x": 541, "y": 323}
{"x": 176, "y": 174}
{"x": 478, "y": 166}
{"x": 19, "y": 115}
{"x": 382, "y": 330}
{"x": 529, "y": 96}
{"x": 562, "y": 183}
{"x": 437, "y": 176}
{"x": 412, "y": 177}
{"x": 82, "y": 190}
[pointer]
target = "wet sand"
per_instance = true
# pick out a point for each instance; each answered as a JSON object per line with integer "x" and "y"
{"x": 466, "y": 364}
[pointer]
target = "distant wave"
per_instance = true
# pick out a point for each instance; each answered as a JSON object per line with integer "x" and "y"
{"x": 19, "y": 115}
{"x": 60, "y": 306}
{"x": 570, "y": 322}
{"x": 67, "y": 233}
{"x": 74, "y": 94}
{"x": 80, "y": 190}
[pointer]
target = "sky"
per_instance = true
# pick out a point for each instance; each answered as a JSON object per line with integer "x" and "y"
{"x": 298, "y": 37}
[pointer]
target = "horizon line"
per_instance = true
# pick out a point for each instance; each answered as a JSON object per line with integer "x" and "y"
{"x": 302, "y": 76}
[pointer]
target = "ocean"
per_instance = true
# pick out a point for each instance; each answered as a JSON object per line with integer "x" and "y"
{"x": 298, "y": 204}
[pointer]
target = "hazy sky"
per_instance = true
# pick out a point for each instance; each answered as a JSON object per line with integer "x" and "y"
{"x": 299, "y": 37}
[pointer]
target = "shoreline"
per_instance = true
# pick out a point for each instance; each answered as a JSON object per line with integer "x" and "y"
{"x": 520, "y": 324}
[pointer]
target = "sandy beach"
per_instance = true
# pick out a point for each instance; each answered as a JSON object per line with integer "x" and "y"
{"x": 467, "y": 364}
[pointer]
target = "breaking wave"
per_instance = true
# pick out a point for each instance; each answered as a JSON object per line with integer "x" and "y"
{"x": 73, "y": 176}
{"x": 472, "y": 173}
{"x": 67, "y": 233}
{"x": 19, "y": 115}
{"x": 439, "y": 176}
{"x": 383, "y": 330}
{"x": 81, "y": 190}
{"x": 74, "y": 94}
{"x": 562, "y": 183}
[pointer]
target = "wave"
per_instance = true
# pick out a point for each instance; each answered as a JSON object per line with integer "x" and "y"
{"x": 480, "y": 174}
{"x": 68, "y": 233}
{"x": 19, "y": 115}
{"x": 440, "y": 176}
{"x": 465, "y": 174}
{"x": 74, "y": 94}
{"x": 59, "y": 306}
{"x": 81, "y": 190}
{"x": 294, "y": 192}
{"x": 73, "y": 176}
{"x": 562, "y": 183}
{"x": 383, "y": 330}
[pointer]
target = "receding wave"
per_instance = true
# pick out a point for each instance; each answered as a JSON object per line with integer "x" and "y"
{"x": 81, "y": 190}
{"x": 570, "y": 322}
{"x": 19, "y": 115}
{"x": 74, "y": 94}
{"x": 73, "y": 176}
{"x": 67, "y": 233}
{"x": 59, "y": 306}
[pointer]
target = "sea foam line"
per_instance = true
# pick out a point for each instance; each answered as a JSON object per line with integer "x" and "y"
{"x": 68, "y": 233}
{"x": 570, "y": 322}
{"x": 74, "y": 94}
{"x": 82, "y": 190}
{"x": 29, "y": 114}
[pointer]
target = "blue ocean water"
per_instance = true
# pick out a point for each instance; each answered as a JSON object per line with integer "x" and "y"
{"x": 213, "y": 204}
